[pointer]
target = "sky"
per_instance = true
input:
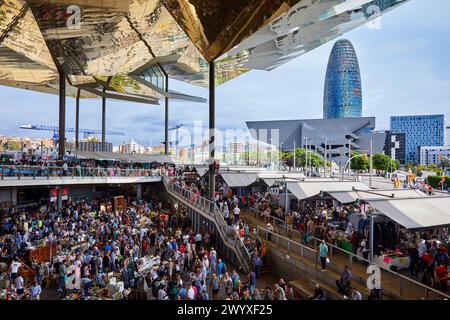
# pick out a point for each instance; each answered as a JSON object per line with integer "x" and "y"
{"x": 405, "y": 70}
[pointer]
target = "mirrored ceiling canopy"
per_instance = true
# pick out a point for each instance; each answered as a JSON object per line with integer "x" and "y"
{"x": 123, "y": 38}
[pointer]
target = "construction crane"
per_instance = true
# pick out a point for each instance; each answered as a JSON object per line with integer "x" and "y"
{"x": 55, "y": 130}
{"x": 175, "y": 128}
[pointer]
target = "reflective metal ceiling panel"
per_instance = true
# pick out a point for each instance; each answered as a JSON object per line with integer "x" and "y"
{"x": 215, "y": 26}
{"x": 117, "y": 37}
{"x": 304, "y": 27}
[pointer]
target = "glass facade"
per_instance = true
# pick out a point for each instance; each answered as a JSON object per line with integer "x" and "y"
{"x": 421, "y": 130}
{"x": 342, "y": 94}
{"x": 154, "y": 76}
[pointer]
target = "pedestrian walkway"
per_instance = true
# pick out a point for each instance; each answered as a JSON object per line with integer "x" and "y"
{"x": 393, "y": 285}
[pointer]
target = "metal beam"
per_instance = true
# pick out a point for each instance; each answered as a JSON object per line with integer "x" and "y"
{"x": 165, "y": 93}
{"x": 77, "y": 118}
{"x": 121, "y": 96}
{"x": 166, "y": 118}
{"x": 62, "y": 114}
{"x": 212, "y": 125}
{"x": 103, "y": 122}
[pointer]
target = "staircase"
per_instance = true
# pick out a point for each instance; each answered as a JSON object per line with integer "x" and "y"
{"x": 208, "y": 209}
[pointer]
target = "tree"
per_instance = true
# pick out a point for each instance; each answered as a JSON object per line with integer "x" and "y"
{"x": 12, "y": 145}
{"x": 92, "y": 139}
{"x": 358, "y": 163}
{"x": 316, "y": 160}
{"x": 382, "y": 162}
{"x": 397, "y": 164}
{"x": 445, "y": 163}
{"x": 300, "y": 157}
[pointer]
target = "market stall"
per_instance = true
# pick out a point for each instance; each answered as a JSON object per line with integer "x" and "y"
{"x": 394, "y": 261}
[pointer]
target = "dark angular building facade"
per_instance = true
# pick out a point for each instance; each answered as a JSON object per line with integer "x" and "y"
{"x": 342, "y": 94}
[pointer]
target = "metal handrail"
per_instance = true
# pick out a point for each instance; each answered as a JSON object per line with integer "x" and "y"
{"x": 352, "y": 255}
{"x": 218, "y": 217}
{"x": 287, "y": 239}
{"x": 20, "y": 171}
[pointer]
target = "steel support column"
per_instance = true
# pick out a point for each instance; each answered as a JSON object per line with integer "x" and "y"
{"x": 166, "y": 119}
{"x": 59, "y": 198}
{"x": 77, "y": 119}
{"x": 62, "y": 115}
{"x": 212, "y": 127}
{"x": 372, "y": 238}
{"x": 104, "y": 122}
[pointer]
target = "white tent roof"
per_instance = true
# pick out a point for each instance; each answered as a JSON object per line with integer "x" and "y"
{"x": 307, "y": 189}
{"x": 234, "y": 180}
{"x": 352, "y": 196}
{"x": 201, "y": 170}
{"x": 417, "y": 213}
{"x": 127, "y": 157}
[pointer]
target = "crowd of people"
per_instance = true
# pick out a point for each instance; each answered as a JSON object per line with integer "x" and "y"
{"x": 327, "y": 222}
{"x": 26, "y": 165}
{"x": 96, "y": 242}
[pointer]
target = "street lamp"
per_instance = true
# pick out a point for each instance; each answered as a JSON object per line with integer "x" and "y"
{"x": 310, "y": 156}
{"x": 294, "y": 157}
{"x": 371, "y": 163}
{"x": 306, "y": 152}
{"x": 349, "y": 153}
{"x": 271, "y": 153}
{"x": 280, "y": 157}
{"x": 348, "y": 161}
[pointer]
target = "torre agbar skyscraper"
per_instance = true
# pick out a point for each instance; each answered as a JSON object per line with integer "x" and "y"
{"x": 342, "y": 94}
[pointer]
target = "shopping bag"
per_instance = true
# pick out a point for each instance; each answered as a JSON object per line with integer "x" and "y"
{"x": 328, "y": 260}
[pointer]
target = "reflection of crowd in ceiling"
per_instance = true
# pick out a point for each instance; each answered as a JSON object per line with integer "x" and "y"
{"x": 182, "y": 36}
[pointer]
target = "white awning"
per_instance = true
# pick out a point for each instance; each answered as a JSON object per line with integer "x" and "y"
{"x": 307, "y": 189}
{"x": 416, "y": 213}
{"x": 201, "y": 170}
{"x": 127, "y": 157}
{"x": 352, "y": 196}
{"x": 234, "y": 180}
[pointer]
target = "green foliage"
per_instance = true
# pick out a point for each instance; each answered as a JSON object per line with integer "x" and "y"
{"x": 382, "y": 162}
{"x": 358, "y": 163}
{"x": 435, "y": 180}
{"x": 12, "y": 145}
{"x": 445, "y": 163}
{"x": 121, "y": 82}
{"x": 300, "y": 158}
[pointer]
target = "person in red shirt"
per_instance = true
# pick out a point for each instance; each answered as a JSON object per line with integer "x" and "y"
{"x": 441, "y": 275}
{"x": 427, "y": 277}
{"x": 427, "y": 259}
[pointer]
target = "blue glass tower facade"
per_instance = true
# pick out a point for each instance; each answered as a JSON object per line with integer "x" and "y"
{"x": 420, "y": 131}
{"x": 342, "y": 94}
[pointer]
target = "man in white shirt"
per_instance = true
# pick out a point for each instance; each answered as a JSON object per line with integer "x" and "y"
{"x": 15, "y": 265}
{"x": 356, "y": 295}
{"x": 236, "y": 212}
{"x": 190, "y": 293}
{"x": 19, "y": 286}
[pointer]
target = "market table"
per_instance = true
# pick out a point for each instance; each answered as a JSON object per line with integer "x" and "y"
{"x": 399, "y": 261}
